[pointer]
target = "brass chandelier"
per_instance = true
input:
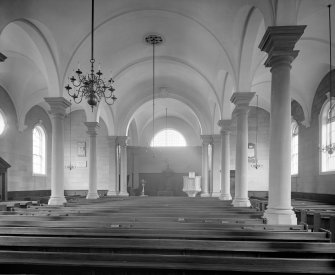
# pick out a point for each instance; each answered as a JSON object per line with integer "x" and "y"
{"x": 92, "y": 86}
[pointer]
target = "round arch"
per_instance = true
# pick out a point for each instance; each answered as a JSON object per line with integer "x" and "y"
{"x": 48, "y": 64}
{"x": 204, "y": 124}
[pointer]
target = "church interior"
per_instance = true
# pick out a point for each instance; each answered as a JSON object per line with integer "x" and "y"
{"x": 167, "y": 136}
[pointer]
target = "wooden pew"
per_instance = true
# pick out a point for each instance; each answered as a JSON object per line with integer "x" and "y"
{"x": 120, "y": 218}
{"x": 324, "y": 222}
{"x": 176, "y": 246}
{"x": 194, "y": 234}
{"x": 160, "y": 237}
{"x": 131, "y": 264}
{"x": 316, "y": 221}
{"x": 174, "y": 225}
{"x": 202, "y": 215}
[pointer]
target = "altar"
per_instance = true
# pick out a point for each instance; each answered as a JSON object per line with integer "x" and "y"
{"x": 191, "y": 184}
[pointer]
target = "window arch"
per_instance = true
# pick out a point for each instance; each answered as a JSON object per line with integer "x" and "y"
{"x": 294, "y": 148}
{"x": 168, "y": 137}
{"x": 2, "y": 122}
{"x": 327, "y": 135}
{"x": 39, "y": 155}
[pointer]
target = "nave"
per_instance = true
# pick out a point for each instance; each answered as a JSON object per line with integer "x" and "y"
{"x": 157, "y": 235}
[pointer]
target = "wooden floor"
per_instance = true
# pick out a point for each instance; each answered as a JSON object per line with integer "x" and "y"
{"x": 155, "y": 235}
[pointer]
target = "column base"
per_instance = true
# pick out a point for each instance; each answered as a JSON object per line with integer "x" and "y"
{"x": 241, "y": 202}
{"x": 225, "y": 197}
{"x": 280, "y": 216}
{"x": 205, "y": 195}
{"x": 216, "y": 194}
{"x": 123, "y": 194}
{"x": 57, "y": 201}
{"x": 92, "y": 196}
{"x": 112, "y": 193}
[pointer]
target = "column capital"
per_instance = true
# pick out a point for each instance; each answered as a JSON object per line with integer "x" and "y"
{"x": 58, "y": 105}
{"x": 92, "y": 127}
{"x": 122, "y": 140}
{"x": 206, "y": 139}
{"x": 279, "y": 42}
{"x": 225, "y": 125}
{"x": 242, "y": 99}
{"x": 112, "y": 139}
{"x": 216, "y": 139}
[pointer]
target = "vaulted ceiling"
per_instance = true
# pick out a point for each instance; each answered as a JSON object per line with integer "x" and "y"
{"x": 210, "y": 50}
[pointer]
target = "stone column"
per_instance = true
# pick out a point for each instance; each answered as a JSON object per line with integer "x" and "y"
{"x": 136, "y": 173}
{"x": 122, "y": 140}
{"x": 112, "y": 186}
{"x": 92, "y": 162}
{"x": 225, "y": 159}
{"x": 216, "y": 166}
{"x": 241, "y": 100}
{"x": 279, "y": 43}
{"x": 206, "y": 139}
{"x": 118, "y": 170}
{"x": 58, "y": 107}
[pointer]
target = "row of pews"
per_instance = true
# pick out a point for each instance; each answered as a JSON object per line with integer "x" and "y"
{"x": 315, "y": 215}
{"x": 156, "y": 235}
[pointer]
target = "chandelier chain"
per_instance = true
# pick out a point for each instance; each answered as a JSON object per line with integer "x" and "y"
{"x": 329, "y": 147}
{"x": 70, "y": 166}
{"x": 330, "y": 76}
{"x": 256, "y": 164}
{"x": 166, "y": 142}
{"x": 153, "y": 39}
{"x": 256, "y": 120}
{"x": 92, "y": 37}
{"x": 153, "y": 93}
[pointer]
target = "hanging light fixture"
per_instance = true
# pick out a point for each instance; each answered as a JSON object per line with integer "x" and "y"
{"x": 92, "y": 86}
{"x": 154, "y": 40}
{"x": 330, "y": 146}
{"x": 70, "y": 166}
{"x": 256, "y": 164}
{"x": 166, "y": 132}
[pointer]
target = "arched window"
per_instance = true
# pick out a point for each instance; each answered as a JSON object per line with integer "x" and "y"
{"x": 2, "y": 122}
{"x": 327, "y": 122}
{"x": 294, "y": 148}
{"x": 168, "y": 137}
{"x": 39, "y": 158}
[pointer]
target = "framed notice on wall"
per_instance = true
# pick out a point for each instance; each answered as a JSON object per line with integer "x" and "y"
{"x": 81, "y": 149}
{"x": 81, "y": 164}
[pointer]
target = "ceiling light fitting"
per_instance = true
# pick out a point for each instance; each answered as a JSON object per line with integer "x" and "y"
{"x": 70, "y": 166}
{"x": 330, "y": 146}
{"x": 256, "y": 164}
{"x": 154, "y": 40}
{"x": 92, "y": 86}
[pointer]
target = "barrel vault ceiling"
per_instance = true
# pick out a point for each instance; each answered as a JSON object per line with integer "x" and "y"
{"x": 210, "y": 50}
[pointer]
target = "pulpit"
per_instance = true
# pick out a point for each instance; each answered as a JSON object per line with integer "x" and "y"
{"x": 192, "y": 184}
{"x": 3, "y": 179}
